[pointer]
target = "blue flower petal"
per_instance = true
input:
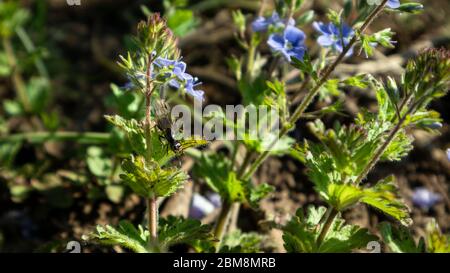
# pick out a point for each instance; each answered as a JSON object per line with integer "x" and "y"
{"x": 393, "y": 4}
{"x": 260, "y": 24}
{"x": 294, "y": 35}
{"x": 321, "y": 27}
{"x": 276, "y": 42}
{"x": 325, "y": 40}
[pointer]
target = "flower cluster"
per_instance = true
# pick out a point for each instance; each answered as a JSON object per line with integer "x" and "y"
{"x": 172, "y": 72}
{"x": 175, "y": 72}
{"x": 290, "y": 43}
{"x": 334, "y": 37}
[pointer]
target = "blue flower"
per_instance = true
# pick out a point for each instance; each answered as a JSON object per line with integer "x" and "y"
{"x": 424, "y": 198}
{"x": 290, "y": 44}
{"x": 179, "y": 77}
{"x": 334, "y": 36}
{"x": 201, "y": 206}
{"x": 393, "y": 4}
{"x": 448, "y": 154}
{"x": 262, "y": 24}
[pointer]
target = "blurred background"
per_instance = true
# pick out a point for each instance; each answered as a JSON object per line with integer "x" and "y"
{"x": 58, "y": 77}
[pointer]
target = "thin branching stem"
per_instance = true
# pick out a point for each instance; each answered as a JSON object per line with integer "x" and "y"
{"x": 221, "y": 223}
{"x": 330, "y": 214}
{"x": 313, "y": 92}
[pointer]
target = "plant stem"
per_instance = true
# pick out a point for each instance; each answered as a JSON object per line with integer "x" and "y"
{"x": 221, "y": 223}
{"x": 251, "y": 58}
{"x": 380, "y": 151}
{"x": 18, "y": 82}
{"x": 40, "y": 137}
{"x": 29, "y": 46}
{"x": 313, "y": 92}
{"x": 332, "y": 213}
{"x": 152, "y": 205}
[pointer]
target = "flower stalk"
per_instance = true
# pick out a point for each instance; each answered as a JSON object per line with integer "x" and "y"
{"x": 300, "y": 110}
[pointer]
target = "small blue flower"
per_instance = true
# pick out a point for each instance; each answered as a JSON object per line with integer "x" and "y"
{"x": 201, "y": 206}
{"x": 448, "y": 154}
{"x": 424, "y": 198}
{"x": 262, "y": 24}
{"x": 335, "y": 37}
{"x": 393, "y": 4}
{"x": 290, "y": 44}
{"x": 180, "y": 79}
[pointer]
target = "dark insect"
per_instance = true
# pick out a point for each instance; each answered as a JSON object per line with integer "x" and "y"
{"x": 164, "y": 124}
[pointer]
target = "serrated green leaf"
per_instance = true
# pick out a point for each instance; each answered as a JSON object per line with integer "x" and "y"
{"x": 149, "y": 179}
{"x": 177, "y": 230}
{"x": 400, "y": 240}
{"x": 239, "y": 242}
{"x": 384, "y": 196}
{"x": 301, "y": 233}
{"x": 125, "y": 235}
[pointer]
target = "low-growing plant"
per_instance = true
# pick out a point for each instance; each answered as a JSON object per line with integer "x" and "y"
{"x": 338, "y": 161}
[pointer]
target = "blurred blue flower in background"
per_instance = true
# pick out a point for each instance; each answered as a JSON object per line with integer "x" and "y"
{"x": 262, "y": 24}
{"x": 448, "y": 154}
{"x": 424, "y": 198}
{"x": 393, "y": 4}
{"x": 290, "y": 44}
{"x": 202, "y": 206}
{"x": 335, "y": 37}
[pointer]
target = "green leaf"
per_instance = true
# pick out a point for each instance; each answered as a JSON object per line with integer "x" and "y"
{"x": 305, "y": 66}
{"x": 11, "y": 17}
{"x": 216, "y": 170}
{"x": 182, "y": 22}
{"x": 176, "y": 230}
{"x": 149, "y": 179}
{"x": 260, "y": 192}
{"x": 239, "y": 242}
{"x": 5, "y": 68}
{"x": 400, "y": 240}
{"x": 411, "y": 7}
{"x": 359, "y": 81}
{"x": 134, "y": 131}
{"x": 12, "y": 107}
{"x": 125, "y": 235}
{"x": 305, "y": 18}
{"x": 38, "y": 92}
{"x": 436, "y": 241}
{"x": 342, "y": 196}
{"x": 384, "y": 196}
{"x": 99, "y": 164}
{"x": 115, "y": 193}
{"x": 127, "y": 103}
{"x": 301, "y": 233}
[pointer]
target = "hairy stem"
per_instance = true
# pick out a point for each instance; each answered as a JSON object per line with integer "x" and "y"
{"x": 380, "y": 151}
{"x": 332, "y": 213}
{"x": 221, "y": 223}
{"x": 313, "y": 92}
{"x": 152, "y": 205}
